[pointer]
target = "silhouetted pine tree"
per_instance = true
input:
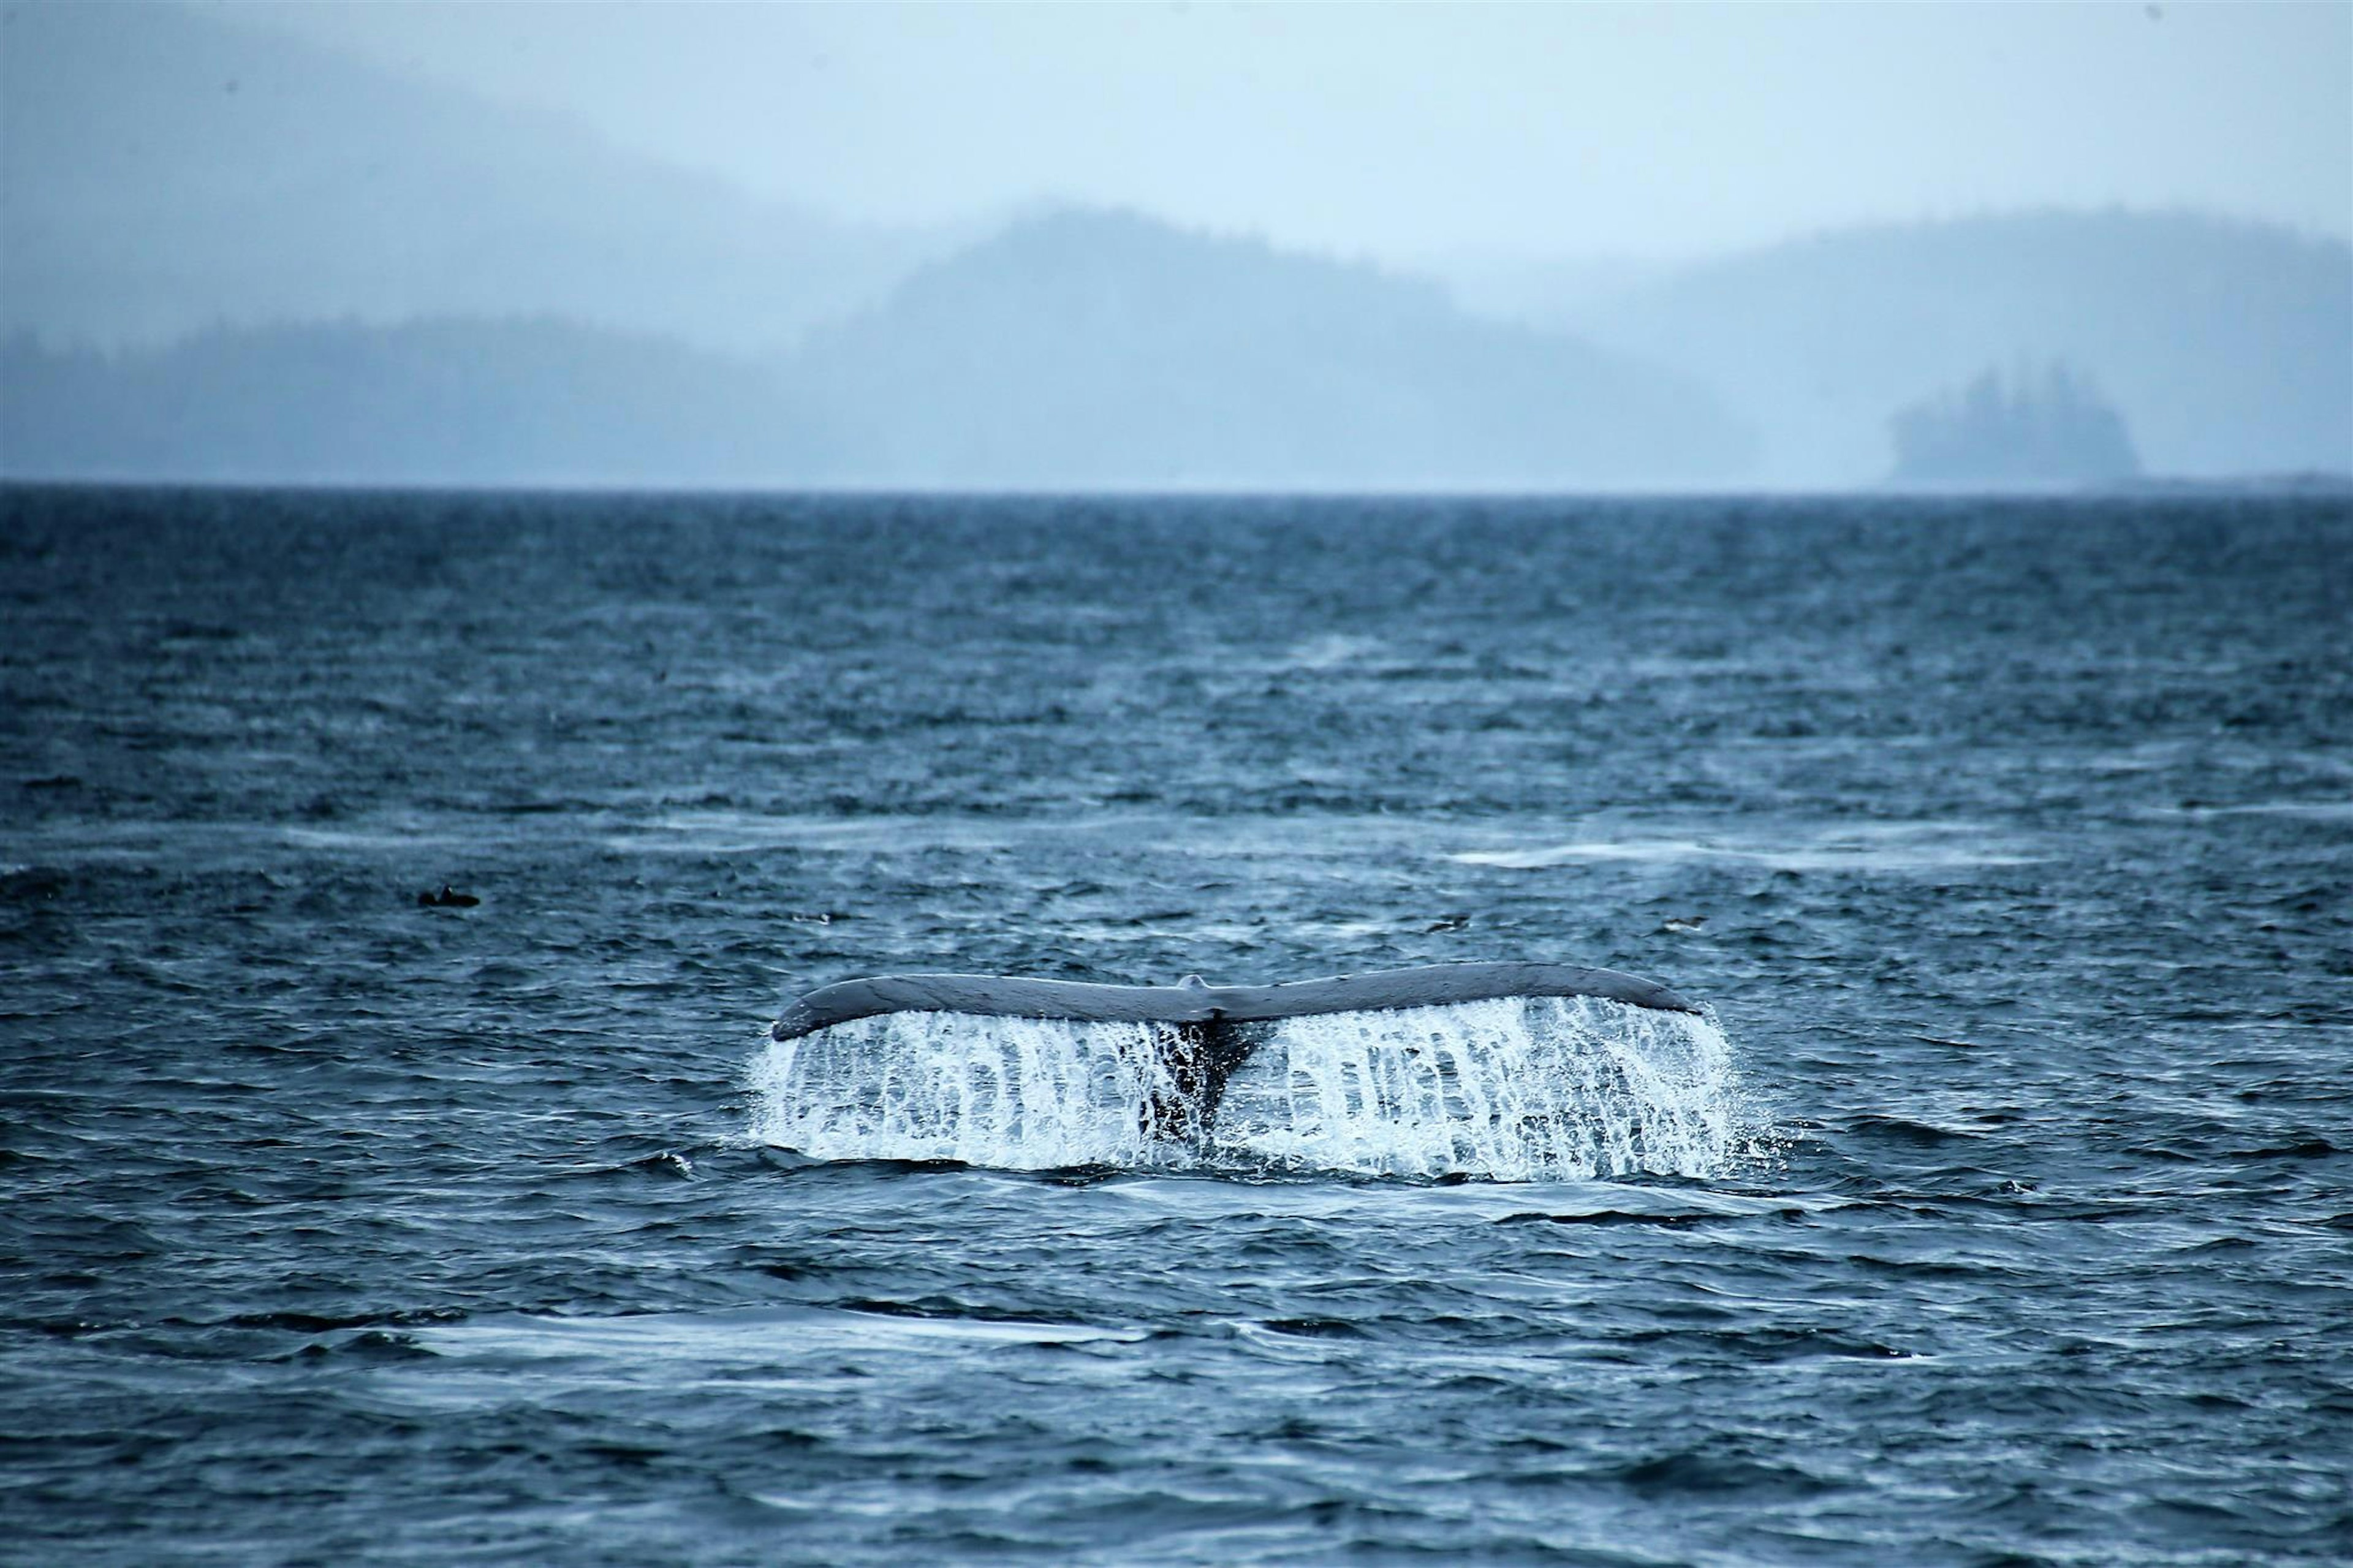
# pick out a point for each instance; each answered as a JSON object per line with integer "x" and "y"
{"x": 2030, "y": 427}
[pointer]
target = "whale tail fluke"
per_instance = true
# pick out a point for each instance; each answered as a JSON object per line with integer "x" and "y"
{"x": 1191, "y": 1001}
{"x": 1515, "y": 1071}
{"x": 1204, "y": 1032}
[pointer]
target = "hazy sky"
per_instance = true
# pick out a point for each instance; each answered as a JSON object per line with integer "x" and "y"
{"x": 1431, "y": 130}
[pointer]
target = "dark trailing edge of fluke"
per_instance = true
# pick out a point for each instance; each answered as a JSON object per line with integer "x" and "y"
{"x": 1193, "y": 1002}
{"x": 1209, "y": 1028}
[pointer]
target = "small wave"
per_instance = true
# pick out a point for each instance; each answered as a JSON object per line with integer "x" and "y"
{"x": 359, "y": 839}
{"x": 1923, "y": 1134}
{"x": 1881, "y": 847}
{"x": 2317, "y": 810}
{"x": 716, "y": 831}
{"x": 751, "y": 1331}
{"x": 1332, "y": 651}
{"x": 1550, "y": 1089}
{"x": 1546, "y": 857}
{"x": 1690, "y": 1474}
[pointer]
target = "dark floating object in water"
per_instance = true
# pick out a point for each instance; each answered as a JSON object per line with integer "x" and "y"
{"x": 1208, "y": 1021}
{"x": 448, "y": 897}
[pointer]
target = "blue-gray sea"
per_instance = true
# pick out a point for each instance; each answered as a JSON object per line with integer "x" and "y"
{"x": 1998, "y": 1212}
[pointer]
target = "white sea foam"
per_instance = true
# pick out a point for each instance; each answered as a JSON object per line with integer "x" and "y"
{"x": 1514, "y": 1090}
{"x": 1884, "y": 847}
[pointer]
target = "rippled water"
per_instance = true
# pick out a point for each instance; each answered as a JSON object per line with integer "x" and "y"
{"x": 2000, "y": 1214}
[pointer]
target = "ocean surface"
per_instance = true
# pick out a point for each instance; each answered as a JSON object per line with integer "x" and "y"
{"x": 1999, "y": 1210}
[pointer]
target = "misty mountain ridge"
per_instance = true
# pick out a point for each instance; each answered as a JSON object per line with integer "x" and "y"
{"x": 247, "y": 219}
{"x": 1089, "y": 347}
{"x": 443, "y": 401}
{"x": 2225, "y": 346}
{"x": 163, "y": 171}
{"x": 1074, "y": 349}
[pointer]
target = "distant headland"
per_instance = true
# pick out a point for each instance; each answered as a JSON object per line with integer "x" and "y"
{"x": 2049, "y": 425}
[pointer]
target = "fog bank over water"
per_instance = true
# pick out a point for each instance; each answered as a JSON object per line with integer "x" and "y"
{"x": 1327, "y": 249}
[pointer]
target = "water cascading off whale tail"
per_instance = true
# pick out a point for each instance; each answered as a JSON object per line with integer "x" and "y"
{"x": 1500, "y": 1069}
